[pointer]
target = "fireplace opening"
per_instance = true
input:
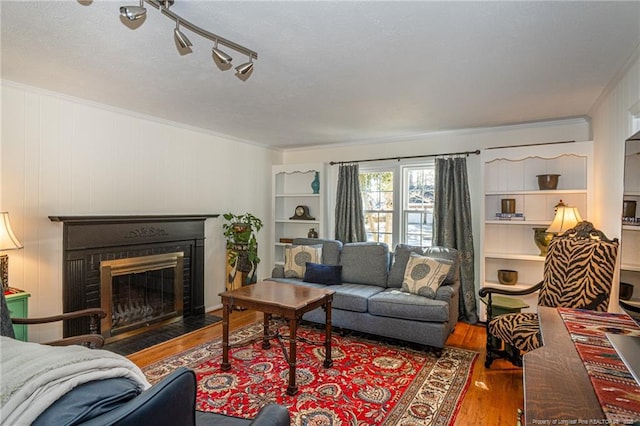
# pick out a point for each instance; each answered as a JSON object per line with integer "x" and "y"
{"x": 138, "y": 292}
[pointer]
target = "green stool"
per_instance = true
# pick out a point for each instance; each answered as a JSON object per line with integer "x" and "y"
{"x": 504, "y": 305}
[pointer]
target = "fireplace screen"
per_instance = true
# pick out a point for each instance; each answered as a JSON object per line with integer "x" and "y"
{"x": 139, "y": 291}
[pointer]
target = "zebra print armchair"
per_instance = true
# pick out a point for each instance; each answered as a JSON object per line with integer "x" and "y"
{"x": 578, "y": 274}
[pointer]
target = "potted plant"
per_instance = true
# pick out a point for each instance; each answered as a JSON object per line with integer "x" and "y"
{"x": 242, "y": 248}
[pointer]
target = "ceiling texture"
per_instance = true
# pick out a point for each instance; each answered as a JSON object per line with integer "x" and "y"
{"x": 329, "y": 72}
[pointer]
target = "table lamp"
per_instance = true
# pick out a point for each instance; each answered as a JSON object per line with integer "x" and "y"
{"x": 8, "y": 241}
{"x": 566, "y": 218}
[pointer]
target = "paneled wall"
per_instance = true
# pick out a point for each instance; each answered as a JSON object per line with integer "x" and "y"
{"x": 65, "y": 156}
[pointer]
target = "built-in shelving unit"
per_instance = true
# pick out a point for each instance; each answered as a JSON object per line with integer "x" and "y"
{"x": 512, "y": 173}
{"x": 291, "y": 188}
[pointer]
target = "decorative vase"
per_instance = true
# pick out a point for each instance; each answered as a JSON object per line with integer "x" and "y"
{"x": 629, "y": 208}
{"x": 542, "y": 238}
{"x": 315, "y": 185}
{"x": 508, "y": 205}
{"x": 312, "y": 233}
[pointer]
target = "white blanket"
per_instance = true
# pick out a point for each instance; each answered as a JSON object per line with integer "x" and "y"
{"x": 34, "y": 376}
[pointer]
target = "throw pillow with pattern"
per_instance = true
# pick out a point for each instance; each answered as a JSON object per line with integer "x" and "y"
{"x": 296, "y": 257}
{"x": 424, "y": 275}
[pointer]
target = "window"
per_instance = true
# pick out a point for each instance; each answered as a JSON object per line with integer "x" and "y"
{"x": 398, "y": 203}
{"x": 377, "y": 199}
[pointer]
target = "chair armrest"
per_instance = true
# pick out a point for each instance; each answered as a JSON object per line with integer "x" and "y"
{"x": 272, "y": 415}
{"x": 91, "y": 312}
{"x": 484, "y": 291}
{"x": 95, "y": 341}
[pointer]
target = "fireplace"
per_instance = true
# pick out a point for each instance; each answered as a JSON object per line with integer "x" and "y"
{"x": 137, "y": 292}
{"x": 141, "y": 270}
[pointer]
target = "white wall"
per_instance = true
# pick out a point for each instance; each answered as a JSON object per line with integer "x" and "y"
{"x": 65, "y": 156}
{"x": 613, "y": 122}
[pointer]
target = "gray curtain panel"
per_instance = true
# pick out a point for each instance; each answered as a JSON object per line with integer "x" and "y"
{"x": 452, "y": 225}
{"x": 349, "y": 212}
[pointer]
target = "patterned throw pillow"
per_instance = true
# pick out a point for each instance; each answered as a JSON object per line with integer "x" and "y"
{"x": 296, "y": 257}
{"x": 424, "y": 275}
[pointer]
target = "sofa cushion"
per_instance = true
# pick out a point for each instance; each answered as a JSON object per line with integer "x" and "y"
{"x": 323, "y": 274}
{"x": 365, "y": 263}
{"x": 330, "y": 249}
{"x": 399, "y": 304}
{"x": 424, "y": 275}
{"x": 353, "y": 297}
{"x": 400, "y": 259}
{"x": 296, "y": 258}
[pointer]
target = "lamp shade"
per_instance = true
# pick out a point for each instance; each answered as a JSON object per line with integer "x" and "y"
{"x": 566, "y": 218}
{"x": 8, "y": 240}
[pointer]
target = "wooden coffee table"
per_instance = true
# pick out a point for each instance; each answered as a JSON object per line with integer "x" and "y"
{"x": 285, "y": 300}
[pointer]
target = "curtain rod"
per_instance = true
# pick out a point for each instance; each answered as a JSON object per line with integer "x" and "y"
{"x": 467, "y": 153}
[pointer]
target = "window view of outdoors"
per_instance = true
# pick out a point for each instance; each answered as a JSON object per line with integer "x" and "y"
{"x": 414, "y": 214}
{"x": 418, "y": 213}
{"x": 377, "y": 199}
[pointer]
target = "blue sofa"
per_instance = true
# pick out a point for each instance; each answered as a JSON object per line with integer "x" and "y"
{"x": 369, "y": 299}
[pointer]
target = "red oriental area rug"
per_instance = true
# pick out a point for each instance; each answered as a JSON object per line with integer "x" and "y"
{"x": 370, "y": 383}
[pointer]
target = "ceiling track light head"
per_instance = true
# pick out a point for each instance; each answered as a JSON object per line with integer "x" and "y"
{"x": 181, "y": 38}
{"x": 133, "y": 13}
{"x": 244, "y": 71}
{"x": 219, "y": 56}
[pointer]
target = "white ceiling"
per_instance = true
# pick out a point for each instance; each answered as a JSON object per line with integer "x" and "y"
{"x": 331, "y": 71}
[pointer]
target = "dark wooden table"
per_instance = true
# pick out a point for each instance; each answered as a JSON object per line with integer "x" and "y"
{"x": 285, "y": 300}
{"x": 557, "y": 388}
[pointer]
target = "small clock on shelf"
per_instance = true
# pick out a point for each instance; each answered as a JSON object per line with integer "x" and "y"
{"x": 302, "y": 213}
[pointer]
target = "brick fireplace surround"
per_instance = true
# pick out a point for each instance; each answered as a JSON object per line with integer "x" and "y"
{"x": 89, "y": 241}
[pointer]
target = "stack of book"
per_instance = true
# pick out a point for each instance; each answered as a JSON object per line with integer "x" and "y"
{"x": 510, "y": 216}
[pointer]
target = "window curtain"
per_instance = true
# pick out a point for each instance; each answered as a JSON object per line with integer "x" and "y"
{"x": 349, "y": 212}
{"x": 452, "y": 225}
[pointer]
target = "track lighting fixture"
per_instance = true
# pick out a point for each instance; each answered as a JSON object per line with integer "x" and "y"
{"x": 222, "y": 59}
{"x": 220, "y": 56}
{"x": 182, "y": 39}
{"x": 245, "y": 68}
{"x": 133, "y": 13}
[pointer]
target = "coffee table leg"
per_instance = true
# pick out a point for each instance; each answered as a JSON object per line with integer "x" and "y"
{"x": 226, "y": 308}
{"x": 293, "y": 331}
{"x": 328, "y": 362}
{"x": 265, "y": 330}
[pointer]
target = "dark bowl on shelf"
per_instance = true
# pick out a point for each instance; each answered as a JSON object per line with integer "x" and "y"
{"x": 626, "y": 291}
{"x": 547, "y": 181}
{"x": 507, "y": 276}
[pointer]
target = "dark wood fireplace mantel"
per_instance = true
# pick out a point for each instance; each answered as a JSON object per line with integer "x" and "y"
{"x": 88, "y": 240}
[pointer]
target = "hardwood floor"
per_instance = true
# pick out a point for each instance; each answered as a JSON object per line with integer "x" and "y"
{"x": 493, "y": 397}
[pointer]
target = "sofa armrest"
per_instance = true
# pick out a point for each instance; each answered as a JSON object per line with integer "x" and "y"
{"x": 272, "y": 415}
{"x": 447, "y": 291}
{"x": 277, "y": 271}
